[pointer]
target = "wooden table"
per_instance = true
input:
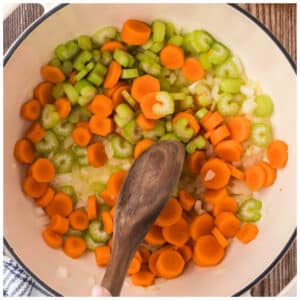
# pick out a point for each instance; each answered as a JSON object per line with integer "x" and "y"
{"x": 281, "y": 20}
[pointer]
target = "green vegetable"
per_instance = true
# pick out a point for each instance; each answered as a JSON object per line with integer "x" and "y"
{"x": 80, "y": 155}
{"x": 218, "y": 53}
{"x": 90, "y": 243}
{"x": 58, "y": 90}
{"x": 106, "y": 57}
{"x": 182, "y": 131}
{"x": 84, "y": 57}
{"x": 264, "y": 106}
{"x": 197, "y": 143}
{"x": 188, "y": 102}
{"x": 132, "y": 132}
{"x": 156, "y": 46}
{"x": 203, "y": 95}
{"x": 151, "y": 68}
{"x": 66, "y": 51}
{"x": 128, "y": 98}
{"x": 63, "y": 161}
{"x": 231, "y": 85}
{"x": 260, "y": 134}
{"x": 169, "y": 126}
{"x": 54, "y": 62}
{"x": 96, "y": 232}
{"x": 97, "y": 187}
{"x": 201, "y": 113}
{"x": 48, "y": 143}
{"x": 158, "y": 31}
{"x": 84, "y": 42}
{"x": 155, "y": 133}
{"x": 71, "y": 93}
{"x": 166, "y": 105}
{"x": 206, "y": 64}
{"x": 176, "y": 40}
{"x": 122, "y": 57}
{"x": 63, "y": 129}
{"x": 202, "y": 40}
{"x": 250, "y": 210}
{"x": 87, "y": 93}
{"x": 230, "y": 68}
{"x": 50, "y": 117}
{"x": 121, "y": 147}
{"x": 123, "y": 114}
{"x": 129, "y": 73}
{"x": 170, "y": 29}
{"x": 226, "y": 106}
{"x": 149, "y": 54}
{"x": 104, "y": 34}
{"x": 67, "y": 67}
{"x": 169, "y": 136}
{"x": 96, "y": 56}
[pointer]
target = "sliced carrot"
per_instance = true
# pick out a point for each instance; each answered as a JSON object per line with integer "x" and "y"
{"x": 205, "y": 118}
{"x": 229, "y": 150}
{"x": 84, "y": 124}
{"x": 207, "y": 251}
{"x": 52, "y": 74}
{"x": 228, "y": 224}
{"x": 220, "y": 237}
{"x": 117, "y": 97}
{"x": 72, "y": 77}
{"x": 61, "y": 204}
{"x": 101, "y": 126}
{"x": 170, "y": 264}
{"x": 109, "y": 92}
{"x": 142, "y": 278}
{"x": 108, "y": 223}
{"x": 144, "y": 123}
{"x": 46, "y": 198}
{"x": 145, "y": 253}
{"x": 110, "y": 243}
{"x": 52, "y": 239}
{"x": 92, "y": 207}
{"x": 74, "y": 246}
{"x": 178, "y": 233}
{"x": 112, "y": 211}
{"x": 170, "y": 214}
{"x": 43, "y": 92}
{"x": 277, "y": 154}
{"x": 236, "y": 173}
{"x": 135, "y": 32}
{"x": 225, "y": 204}
{"x": 113, "y": 74}
{"x": 239, "y": 128}
{"x": 115, "y": 182}
{"x": 215, "y": 174}
{"x": 138, "y": 256}
{"x": 31, "y": 110}
{"x": 79, "y": 219}
{"x": 141, "y": 146}
{"x": 101, "y": 105}
{"x": 192, "y": 69}
{"x": 108, "y": 198}
{"x": 212, "y": 121}
{"x": 154, "y": 236}
{"x": 96, "y": 155}
{"x": 81, "y": 136}
{"x": 43, "y": 170}
{"x": 33, "y": 188}
{"x": 35, "y": 132}
{"x": 192, "y": 122}
{"x": 201, "y": 225}
{"x": 255, "y": 177}
{"x": 24, "y": 151}
{"x": 153, "y": 259}
{"x": 59, "y": 224}
{"x": 147, "y": 102}
{"x": 172, "y": 57}
{"x": 134, "y": 266}
{"x": 111, "y": 46}
{"x": 144, "y": 85}
{"x": 186, "y": 200}
{"x": 219, "y": 134}
{"x": 102, "y": 254}
{"x": 247, "y": 233}
{"x": 63, "y": 107}
{"x": 186, "y": 252}
{"x": 270, "y": 172}
{"x": 195, "y": 161}
{"x": 212, "y": 196}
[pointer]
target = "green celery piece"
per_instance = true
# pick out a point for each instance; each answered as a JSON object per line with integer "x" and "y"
{"x": 250, "y": 210}
{"x": 182, "y": 131}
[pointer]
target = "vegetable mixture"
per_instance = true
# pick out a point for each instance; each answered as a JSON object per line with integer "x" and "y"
{"x": 106, "y": 98}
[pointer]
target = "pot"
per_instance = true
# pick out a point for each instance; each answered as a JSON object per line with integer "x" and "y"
{"x": 264, "y": 59}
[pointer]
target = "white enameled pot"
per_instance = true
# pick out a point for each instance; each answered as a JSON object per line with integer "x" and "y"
{"x": 264, "y": 59}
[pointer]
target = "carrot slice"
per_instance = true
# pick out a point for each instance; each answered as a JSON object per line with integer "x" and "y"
{"x": 102, "y": 254}
{"x": 219, "y": 134}
{"x": 134, "y": 266}
{"x": 141, "y": 146}
{"x": 72, "y": 77}
{"x": 74, "y": 246}
{"x": 228, "y": 224}
{"x": 33, "y": 188}
{"x": 215, "y": 174}
{"x": 110, "y": 243}
{"x": 207, "y": 251}
{"x": 145, "y": 253}
{"x": 113, "y": 74}
{"x": 81, "y": 136}
{"x": 107, "y": 222}
{"x": 79, "y": 220}
{"x": 154, "y": 236}
{"x": 255, "y": 177}
{"x": 212, "y": 196}
{"x": 111, "y": 46}
{"x": 52, "y": 74}
{"x": 144, "y": 123}
{"x": 96, "y": 155}
{"x": 247, "y": 233}
{"x": 186, "y": 200}
{"x": 229, "y": 150}
{"x": 220, "y": 237}
{"x": 270, "y": 172}
{"x": 201, "y": 225}
{"x": 52, "y": 239}
{"x": 135, "y": 32}
{"x": 101, "y": 105}
{"x": 212, "y": 121}
{"x": 109, "y": 92}
{"x": 147, "y": 102}
{"x": 61, "y": 204}
{"x": 144, "y": 85}
{"x": 186, "y": 252}
{"x": 112, "y": 211}
{"x": 35, "y": 132}
{"x": 195, "y": 161}
{"x": 178, "y": 233}
{"x": 205, "y": 118}
{"x": 31, "y": 110}
{"x": 101, "y": 126}
{"x": 24, "y": 151}
{"x": 92, "y": 207}
{"x": 277, "y": 154}
{"x": 236, "y": 173}
{"x": 115, "y": 182}
{"x": 239, "y": 128}
{"x": 225, "y": 204}
{"x": 172, "y": 57}
{"x": 142, "y": 278}
{"x": 46, "y": 198}
{"x": 43, "y": 170}
{"x": 192, "y": 69}
{"x": 63, "y": 107}
{"x": 153, "y": 259}
{"x": 59, "y": 224}
{"x": 43, "y": 92}
{"x": 117, "y": 97}
{"x": 170, "y": 214}
{"x": 192, "y": 122}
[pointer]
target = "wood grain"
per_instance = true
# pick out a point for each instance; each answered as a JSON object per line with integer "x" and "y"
{"x": 281, "y": 20}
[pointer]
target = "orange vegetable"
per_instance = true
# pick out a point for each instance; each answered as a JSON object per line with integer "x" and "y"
{"x": 35, "y": 132}
{"x": 135, "y": 32}
{"x": 192, "y": 69}
{"x": 172, "y": 57}
{"x": 195, "y": 161}
{"x": 102, "y": 254}
{"x": 113, "y": 74}
{"x": 229, "y": 150}
{"x": 225, "y": 204}
{"x": 205, "y": 118}
{"x": 145, "y": 253}
{"x": 142, "y": 278}
{"x": 101, "y": 126}
{"x": 74, "y": 246}
{"x": 219, "y": 134}
{"x": 236, "y": 173}
{"x": 220, "y": 237}
{"x": 228, "y": 224}
{"x": 153, "y": 259}
{"x": 255, "y": 177}
{"x": 43, "y": 92}
{"x": 207, "y": 251}
{"x": 109, "y": 92}
{"x": 84, "y": 124}
{"x": 144, "y": 85}
{"x": 92, "y": 209}
{"x": 110, "y": 243}
{"x": 247, "y": 233}
{"x": 79, "y": 220}
{"x": 215, "y": 174}
{"x": 33, "y": 188}
{"x": 277, "y": 154}
{"x": 170, "y": 214}
{"x": 239, "y": 128}
{"x": 96, "y": 155}
{"x": 52, "y": 74}
{"x": 101, "y": 105}
{"x": 192, "y": 122}
{"x": 45, "y": 199}
{"x": 63, "y": 107}
{"x": 212, "y": 196}
{"x": 72, "y": 78}
{"x": 43, "y": 170}
{"x": 186, "y": 200}
{"x": 81, "y": 136}
{"x": 59, "y": 224}
{"x": 186, "y": 252}
{"x": 117, "y": 97}
{"x": 61, "y": 204}
{"x": 111, "y": 46}
{"x": 52, "y": 239}
{"x": 147, "y": 102}
{"x": 201, "y": 225}
{"x": 212, "y": 121}
{"x": 24, "y": 151}
{"x": 178, "y": 233}
{"x": 270, "y": 173}
{"x": 134, "y": 266}
{"x": 144, "y": 123}
{"x": 107, "y": 222}
{"x": 138, "y": 256}
{"x": 31, "y": 110}
{"x": 154, "y": 236}
{"x": 112, "y": 211}
{"x": 141, "y": 146}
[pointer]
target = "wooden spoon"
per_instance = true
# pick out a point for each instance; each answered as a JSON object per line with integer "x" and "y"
{"x": 147, "y": 187}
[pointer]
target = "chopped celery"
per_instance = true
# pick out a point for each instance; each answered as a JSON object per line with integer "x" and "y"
{"x": 84, "y": 57}
{"x": 81, "y": 84}
{"x": 121, "y": 147}
{"x": 230, "y": 68}
{"x": 97, "y": 187}
{"x": 169, "y": 136}
{"x": 54, "y": 62}
{"x": 69, "y": 190}
{"x": 260, "y": 134}
{"x": 63, "y": 129}
{"x": 96, "y": 56}
{"x": 106, "y": 57}
{"x": 84, "y": 42}
{"x": 170, "y": 29}
{"x": 156, "y": 47}
{"x": 166, "y": 105}
{"x": 178, "y": 96}
{"x": 63, "y": 161}
{"x": 201, "y": 113}
{"x": 95, "y": 79}
{"x": 231, "y": 85}
{"x": 264, "y": 106}
{"x": 188, "y": 102}
{"x": 148, "y": 44}
{"x": 158, "y": 131}
{"x": 169, "y": 126}
{"x": 123, "y": 114}
{"x": 164, "y": 83}
{"x": 203, "y": 95}
{"x": 226, "y": 106}
{"x": 206, "y": 64}
{"x": 121, "y": 57}
{"x": 81, "y": 155}
{"x": 90, "y": 243}
{"x": 218, "y": 53}
{"x": 74, "y": 116}
{"x": 48, "y": 143}
{"x": 71, "y": 93}
{"x": 151, "y": 55}
{"x": 182, "y": 131}
{"x": 104, "y": 34}
{"x": 176, "y": 40}
{"x": 150, "y": 68}
{"x": 189, "y": 44}
{"x": 50, "y": 117}
{"x": 132, "y": 132}
{"x": 196, "y": 143}
{"x": 129, "y": 73}
{"x": 66, "y": 51}
{"x": 58, "y": 90}
{"x": 158, "y": 31}
{"x": 97, "y": 233}
{"x": 128, "y": 98}
{"x": 250, "y": 210}
{"x": 202, "y": 40}
{"x": 100, "y": 69}
{"x": 67, "y": 67}
{"x": 87, "y": 93}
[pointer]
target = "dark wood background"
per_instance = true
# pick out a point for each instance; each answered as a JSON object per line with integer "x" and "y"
{"x": 281, "y": 20}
